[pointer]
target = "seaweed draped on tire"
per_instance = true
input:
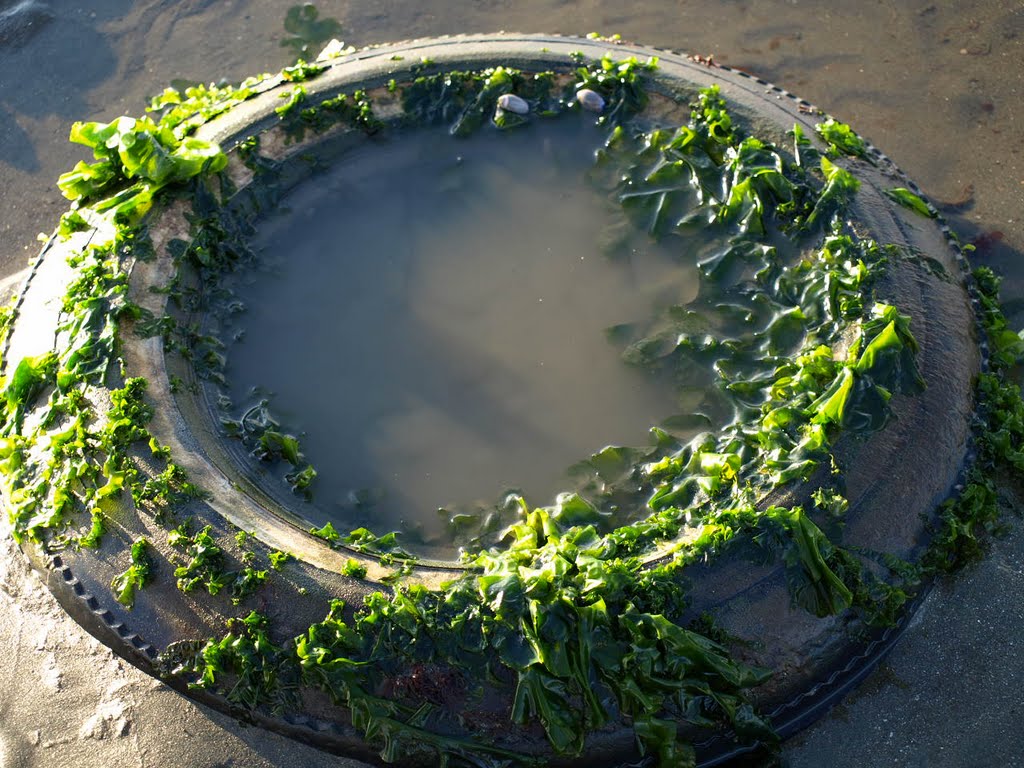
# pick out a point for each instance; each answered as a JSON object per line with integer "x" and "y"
{"x": 573, "y": 637}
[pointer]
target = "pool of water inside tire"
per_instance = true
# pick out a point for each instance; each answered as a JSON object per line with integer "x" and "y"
{"x": 440, "y": 321}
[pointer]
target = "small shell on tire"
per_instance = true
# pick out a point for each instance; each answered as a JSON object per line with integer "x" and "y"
{"x": 590, "y": 100}
{"x": 512, "y": 103}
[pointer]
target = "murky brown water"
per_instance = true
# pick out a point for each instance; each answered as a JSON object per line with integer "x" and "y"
{"x": 432, "y": 316}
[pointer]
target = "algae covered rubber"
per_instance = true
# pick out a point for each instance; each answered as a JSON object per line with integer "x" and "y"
{"x": 225, "y": 550}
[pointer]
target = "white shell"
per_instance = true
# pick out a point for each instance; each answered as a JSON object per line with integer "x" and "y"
{"x": 590, "y": 100}
{"x": 512, "y": 103}
{"x": 334, "y": 49}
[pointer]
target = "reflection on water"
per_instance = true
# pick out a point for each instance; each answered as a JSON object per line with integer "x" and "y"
{"x": 309, "y": 31}
{"x": 435, "y": 322}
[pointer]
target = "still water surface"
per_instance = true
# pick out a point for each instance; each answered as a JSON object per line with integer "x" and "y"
{"x": 432, "y": 315}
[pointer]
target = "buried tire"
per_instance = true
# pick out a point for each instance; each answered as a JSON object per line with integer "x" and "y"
{"x": 226, "y": 596}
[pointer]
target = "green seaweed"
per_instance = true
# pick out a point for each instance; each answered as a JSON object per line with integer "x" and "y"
{"x": 967, "y": 521}
{"x": 206, "y": 567}
{"x": 571, "y": 617}
{"x": 565, "y": 604}
{"x": 841, "y": 139}
{"x": 139, "y": 573}
{"x": 908, "y": 199}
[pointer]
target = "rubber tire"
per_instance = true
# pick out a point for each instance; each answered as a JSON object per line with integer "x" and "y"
{"x": 895, "y": 479}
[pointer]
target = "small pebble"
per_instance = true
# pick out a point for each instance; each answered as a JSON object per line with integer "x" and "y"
{"x": 590, "y": 100}
{"x": 512, "y": 103}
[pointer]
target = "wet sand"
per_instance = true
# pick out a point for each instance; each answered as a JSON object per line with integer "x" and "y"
{"x": 938, "y": 86}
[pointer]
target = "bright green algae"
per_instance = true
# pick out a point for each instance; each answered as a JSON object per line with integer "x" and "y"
{"x": 571, "y": 617}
